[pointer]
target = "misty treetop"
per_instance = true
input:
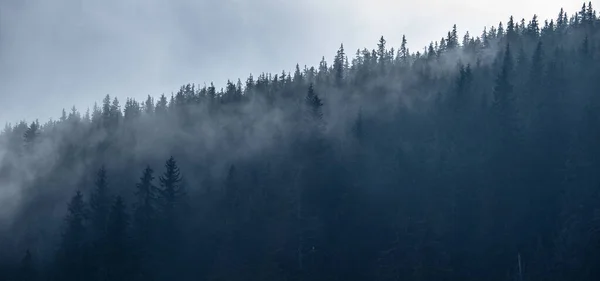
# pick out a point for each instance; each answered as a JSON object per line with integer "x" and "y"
{"x": 475, "y": 158}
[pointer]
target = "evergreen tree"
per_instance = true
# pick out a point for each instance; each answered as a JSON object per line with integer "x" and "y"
{"x": 118, "y": 253}
{"x": 322, "y": 74}
{"x": 161, "y": 106}
{"x": 73, "y": 256}
{"x": 381, "y": 53}
{"x": 404, "y": 52}
{"x": 452, "y": 39}
{"x": 314, "y": 104}
{"x": 172, "y": 191}
{"x": 106, "y": 110}
{"x": 504, "y": 102}
{"x": 172, "y": 200}
{"x": 99, "y": 211}
{"x": 149, "y": 105}
{"x": 99, "y": 204}
{"x": 31, "y": 134}
{"x": 145, "y": 222}
{"x": 338, "y": 66}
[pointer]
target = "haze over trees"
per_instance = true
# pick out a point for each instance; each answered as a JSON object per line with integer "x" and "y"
{"x": 476, "y": 158}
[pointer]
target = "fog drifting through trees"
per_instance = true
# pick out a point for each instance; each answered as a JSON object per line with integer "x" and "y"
{"x": 476, "y": 158}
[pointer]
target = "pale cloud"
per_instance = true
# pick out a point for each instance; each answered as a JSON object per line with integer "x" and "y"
{"x": 56, "y": 54}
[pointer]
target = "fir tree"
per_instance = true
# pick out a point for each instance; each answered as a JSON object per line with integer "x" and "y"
{"x": 118, "y": 253}
{"x": 73, "y": 253}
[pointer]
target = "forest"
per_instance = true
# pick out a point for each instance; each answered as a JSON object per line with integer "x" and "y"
{"x": 475, "y": 158}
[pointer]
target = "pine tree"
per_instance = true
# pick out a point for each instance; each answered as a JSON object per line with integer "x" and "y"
{"x": 322, "y": 74}
{"x": 381, "y": 54}
{"x": 503, "y": 89}
{"x": 149, "y": 105}
{"x": 145, "y": 215}
{"x": 161, "y": 106}
{"x": 431, "y": 55}
{"x": 404, "y": 52}
{"x": 561, "y": 21}
{"x": 146, "y": 203}
{"x": 314, "y": 104}
{"x": 172, "y": 198}
{"x": 74, "y": 115}
{"x": 500, "y": 31}
{"x": 31, "y": 134}
{"x": 73, "y": 256}
{"x": 115, "y": 112}
{"x": 106, "y": 112}
{"x": 298, "y": 78}
{"x": 118, "y": 253}
{"x": 99, "y": 204}
{"x": 511, "y": 30}
{"x": 99, "y": 210}
{"x": 537, "y": 69}
{"x": 533, "y": 28}
{"x": 484, "y": 38}
{"x": 171, "y": 182}
{"x": 452, "y": 39}
{"x": 338, "y": 66}
{"x": 63, "y": 116}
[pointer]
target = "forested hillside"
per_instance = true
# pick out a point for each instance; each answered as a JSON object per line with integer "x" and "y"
{"x": 476, "y": 158}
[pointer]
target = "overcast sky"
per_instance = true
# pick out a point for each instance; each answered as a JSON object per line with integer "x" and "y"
{"x": 58, "y": 53}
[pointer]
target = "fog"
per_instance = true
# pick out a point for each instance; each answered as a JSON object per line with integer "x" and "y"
{"x": 56, "y": 54}
{"x": 443, "y": 163}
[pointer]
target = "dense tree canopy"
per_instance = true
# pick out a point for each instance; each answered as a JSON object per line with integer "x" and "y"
{"x": 477, "y": 158}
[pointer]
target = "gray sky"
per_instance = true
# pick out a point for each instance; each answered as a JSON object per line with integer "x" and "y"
{"x": 60, "y": 53}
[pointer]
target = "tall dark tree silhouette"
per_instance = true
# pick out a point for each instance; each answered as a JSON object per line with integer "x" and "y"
{"x": 145, "y": 223}
{"x": 172, "y": 200}
{"x": 99, "y": 211}
{"x": 118, "y": 257}
{"x": 74, "y": 257}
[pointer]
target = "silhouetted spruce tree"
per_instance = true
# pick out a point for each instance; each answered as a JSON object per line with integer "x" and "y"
{"x": 533, "y": 28}
{"x": 172, "y": 199}
{"x": 132, "y": 110}
{"x": 338, "y": 66}
{"x": 99, "y": 204}
{"x": 118, "y": 256}
{"x": 99, "y": 210}
{"x": 63, "y": 116}
{"x": 31, "y": 134}
{"x": 231, "y": 253}
{"x": 381, "y": 54}
{"x": 452, "y": 39}
{"x": 115, "y": 112}
{"x": 511, "y": 30}
{"x": 145, "y": 216}
{"x": 171, "y": 192}
{"x": 504, "y": 100}
{"x": 73, "y": 259}
{"x": 507, "y": 152}
{"x": 431, "y": 54}
{"x": 161, "y": 106}
{"x": 314, "y": 104}
{"x": 106, "y": 112}
{"x": 403, "y": 53}
{"x": 149, "y": 105}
